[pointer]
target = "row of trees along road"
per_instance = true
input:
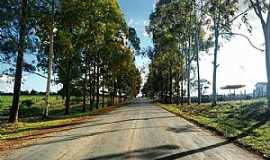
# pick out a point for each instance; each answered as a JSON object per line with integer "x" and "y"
{"x": 86, "y": 44}
{"x": 183, "y": 30}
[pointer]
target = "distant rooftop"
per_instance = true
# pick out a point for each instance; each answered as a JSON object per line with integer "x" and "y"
{"x": 233, "y": 87}
{"x": 261, "y": 83}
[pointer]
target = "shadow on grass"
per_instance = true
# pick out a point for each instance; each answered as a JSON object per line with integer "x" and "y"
{"x": 245, "y": 115}
{"x": 254, "y": 111}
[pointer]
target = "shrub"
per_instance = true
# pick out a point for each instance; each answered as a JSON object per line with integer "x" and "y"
{"x": 76, "y": 100}
{"x": 27, "y": 102}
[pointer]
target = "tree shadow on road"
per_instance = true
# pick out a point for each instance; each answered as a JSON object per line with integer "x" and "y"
{"x": 247, "y": 132}
{"x": 165, "y": 152}
{"x": 124, "y": 120}
{"x": 70, "y": 137}
{"x": 145, "y": 153}
{"x": 182, "y": 129}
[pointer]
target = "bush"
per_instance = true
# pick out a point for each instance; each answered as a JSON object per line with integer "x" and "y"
{"x": 27, "y": 103}
{"x": 76, "y": 100}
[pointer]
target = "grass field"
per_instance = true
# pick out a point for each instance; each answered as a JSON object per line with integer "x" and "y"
{"x": 246, "y": 122}
{"x": 36, "y": 109}
{"x": 30, "y": 116}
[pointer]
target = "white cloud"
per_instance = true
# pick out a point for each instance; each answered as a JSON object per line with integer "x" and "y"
{"x": 6, "y": 83}
{"x": 131, "y": 22}
{"x": 146, "y": 22}
{"x": 145, "y": 34}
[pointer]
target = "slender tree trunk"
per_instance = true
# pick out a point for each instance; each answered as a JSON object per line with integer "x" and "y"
{"x": 214, "y": 87}
{"x": 97, "y": 85}
{"x": 108, "y": 77}
{"x": 90, "y": 88}
{"x": 114, "y": 92}
{"x": 84, "y": 90}
{"x": 167, "y": 87}
{"x": 178, "y": 92}
{"x": 103, "y": 94}
{"x": 50, "y": 59}
{"x": 189, "y": 72}
{"x": 14, "y": 110}
{"x": 67, "y": 90}
{"x": 171, "y": 85}
{"x": 182, "y": 91}
{"x": 162, "y": 87}
{"x": 266, "y": 29}
{"x": 93, "y": 86}
{"x": 198, "y": 66}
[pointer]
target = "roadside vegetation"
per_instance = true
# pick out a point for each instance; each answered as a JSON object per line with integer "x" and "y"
{"x": 86, "y": 47}
{"x": 245, "y": 122}
{"x": 32, "y": 122}
{"x": 32, "y": 106}
{"x": 184, "y": 30}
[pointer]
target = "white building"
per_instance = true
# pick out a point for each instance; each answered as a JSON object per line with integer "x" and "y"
{"x": 260, "y": 89}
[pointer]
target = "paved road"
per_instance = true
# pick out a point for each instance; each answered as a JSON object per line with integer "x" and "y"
{"x": 137, "y": 131}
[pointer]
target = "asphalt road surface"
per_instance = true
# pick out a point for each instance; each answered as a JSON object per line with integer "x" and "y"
{"x": 140, "y": 130}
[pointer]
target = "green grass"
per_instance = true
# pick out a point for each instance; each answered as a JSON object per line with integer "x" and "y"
{"x": 12, "y": 131}
{"x": 56, "y": 106}
{"x": 246, "y": 121}
{"x": 30, "y": 117}
{"x": 56, "y": 103}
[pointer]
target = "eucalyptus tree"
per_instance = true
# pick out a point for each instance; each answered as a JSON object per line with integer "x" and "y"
{"x": 50, "y": 60}
{"x": 176, "y": 18}
{"x": 261, "y": 9}
{"x": 222, "y": 12}
{"x": 72, "y": 46}
{"x": 17, "y": 37}
{"x": 45, "y": 16}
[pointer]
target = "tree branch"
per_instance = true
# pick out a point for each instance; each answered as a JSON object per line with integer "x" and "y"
{"x": 31, "y": 72}
{"x": 258, "y": 10}
{"x": 247, "y": 38}
{"x": 236, "y": 17}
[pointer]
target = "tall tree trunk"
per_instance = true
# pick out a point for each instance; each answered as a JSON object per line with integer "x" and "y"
{"x": 14, "y": 110}
{"x": 188, "y": 73}
{"x": 114, "y": 91}
{"x": 84, "y": 90}
{"x": 90, "y": 87}
{"x": 182, "y": 91}
{"x": 50, "y": 59}
{"x": 266, "y": 29}
{"x": 214, "y": 83}
{"x": 198, "y": 66}
{"x": 67, "y": 90}
{"x": 171, "y": 85}
{"x": 97, "y": 85}
{"x": 178, "y": 91}
{"x": 103, "y": 94}
{"x": 93, "y": 86}
{"x": 167, "y": 87}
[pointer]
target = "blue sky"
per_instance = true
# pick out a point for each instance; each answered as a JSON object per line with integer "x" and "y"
{"x": 137, "y": 13}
